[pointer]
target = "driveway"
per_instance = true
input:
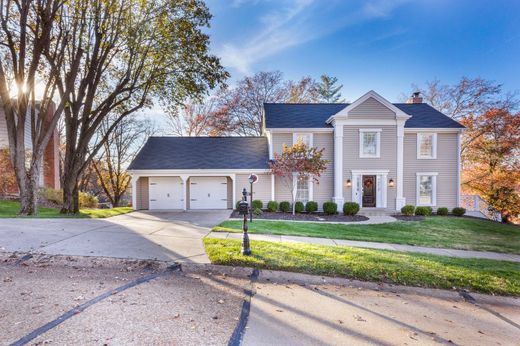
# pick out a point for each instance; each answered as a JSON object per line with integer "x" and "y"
{"x": 140, "y": 235}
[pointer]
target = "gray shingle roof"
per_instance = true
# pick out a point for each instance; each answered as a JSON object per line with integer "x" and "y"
{"x": 203, "y": 153}
{"x": 315, "y": 115}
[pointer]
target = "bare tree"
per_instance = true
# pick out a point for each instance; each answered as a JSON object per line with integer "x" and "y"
{"x": 119, "y": 54}
{"x": 28, "y": 28}
{"x": 120, "y": 147}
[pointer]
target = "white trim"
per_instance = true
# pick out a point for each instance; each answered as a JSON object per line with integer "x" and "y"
{"x": 458, "y": 167}
{"x": 195, "y": 172}
{"x": 270, "y": 144}
{"x": 378, "y": 143}
{"x": 134, "y": 178}
{"x": 272, "y": 187}
{"x": 381, "y": 186}
{"x": 338, "y": 164}
{"x": 371, "y": 94}
{"x": 184, "y": 182}
{"x": 400, "y": 201}
{"x": 434, "y": 146}
{"x": 434, "y": 188}
{"x": 234, "y": 198}
{"x": 301, "y": 129}
{"x": 296, "y": 134}
{"x": 431, "y": 130}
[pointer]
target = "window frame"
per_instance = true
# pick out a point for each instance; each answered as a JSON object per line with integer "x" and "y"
{"x": 433, "y": 156}
{"x": 362, "y": 132}
{"x": 418, "y": 189}
{"x": 301, "y": 134}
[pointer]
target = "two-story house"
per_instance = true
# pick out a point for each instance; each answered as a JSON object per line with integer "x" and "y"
{"x": 382, "y": 156}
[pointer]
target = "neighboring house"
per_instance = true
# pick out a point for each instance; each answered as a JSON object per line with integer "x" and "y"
{"x": 382, "y": 156}
{"x": 49, "y": 176}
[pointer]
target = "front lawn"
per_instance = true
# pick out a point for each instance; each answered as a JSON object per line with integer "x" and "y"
{"x": 11, "y": 208}
{"x": 447, "y": 232}
{"x": 412, "y": 269}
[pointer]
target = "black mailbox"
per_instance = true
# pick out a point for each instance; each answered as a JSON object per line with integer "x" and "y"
{"x": 243, "y": 208}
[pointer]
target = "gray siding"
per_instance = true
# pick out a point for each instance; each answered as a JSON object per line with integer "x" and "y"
{"x": 322, "y": 191}
{"x": 445, "y": 165}
{"x": 388, "y": 159}
{"x": 371, "y": 109}
{"x": 142, "y": 198}
{"x": 230, "y": 193}
{"x": 261, "y": 189}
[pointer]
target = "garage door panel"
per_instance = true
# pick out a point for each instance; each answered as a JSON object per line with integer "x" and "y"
{"x": 208, "y": 193}
{"x": 166, "y": 193}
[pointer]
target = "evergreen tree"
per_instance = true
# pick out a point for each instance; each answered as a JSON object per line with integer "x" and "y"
{"x": 328, "y": 91}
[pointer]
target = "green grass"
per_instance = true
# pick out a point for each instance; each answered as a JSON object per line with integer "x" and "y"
{"x": 412, "y": 269}
{"x": 446, "y": 232}
{"x": 11, "y": 208}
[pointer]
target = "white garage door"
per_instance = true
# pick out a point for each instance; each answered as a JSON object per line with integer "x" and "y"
{"x": 166, "y": 193}
{"x": 208, "y": 193}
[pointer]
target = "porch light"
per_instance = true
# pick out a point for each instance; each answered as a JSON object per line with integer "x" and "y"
{"x": 348, "y": 183}
{"x": 391, "y": 182}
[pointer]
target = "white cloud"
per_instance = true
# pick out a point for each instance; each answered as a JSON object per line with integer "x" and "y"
{"x": 296, "y": 22}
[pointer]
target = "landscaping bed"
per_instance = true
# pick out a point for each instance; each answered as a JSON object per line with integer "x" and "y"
{"x": 411, "y": 269}
{"x": 318, "y": 217}
{"x": 402, "y": 217}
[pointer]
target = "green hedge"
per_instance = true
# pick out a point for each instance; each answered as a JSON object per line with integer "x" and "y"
{"x": 423, "y": 211}
{"x": 408, "y": 210}
{"x": 285, "y": 206}
{"x": 311, "y": 207}
{"x": 330, "y": 208}
{"x": 442, "y": 211}
{"x": 257, "y": 204}
{"x": 299, "y": 207}
{"x": 350, "y": 208}
{"x": 458, "y": 211}
{"x": 272, "y": 206}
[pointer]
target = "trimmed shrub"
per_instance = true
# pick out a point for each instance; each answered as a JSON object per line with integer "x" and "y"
{"x": 86, "y": 200}
{"x": 330, "y": 208}
{"x": 442, "y": 211}
{"x": 272, "y": 206}
{"x": 299, "y": 207}
{"x": 350, "y": 208}
{"x": 285, "y": 206}
{"x": 257, "y": 211}
{"x": 257, "y": 204}
{"x": 423, "y": 211}
{"x": 408, "y": 210}
{"x": 311, "y": 207}
{"x": 458, "y": 211}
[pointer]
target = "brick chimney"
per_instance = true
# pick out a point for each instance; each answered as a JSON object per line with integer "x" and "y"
{"x": 415, "y": 98}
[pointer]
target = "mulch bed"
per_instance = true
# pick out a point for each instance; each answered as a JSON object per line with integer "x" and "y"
{"x": 318, "y": 217}
{"x": 408, "y": 218}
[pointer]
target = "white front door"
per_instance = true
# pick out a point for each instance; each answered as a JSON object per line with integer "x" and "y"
{"x": 208, "y": 193}
{"x": 165, "y": 193}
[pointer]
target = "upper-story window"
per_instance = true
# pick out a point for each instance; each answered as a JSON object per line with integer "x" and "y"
{"x": 426, "y": 145}
{"x": 306, "y": 138}
{"x": 369, "y": 143}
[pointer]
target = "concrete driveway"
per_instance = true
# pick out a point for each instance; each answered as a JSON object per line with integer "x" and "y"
{"x": 140, "y": 235}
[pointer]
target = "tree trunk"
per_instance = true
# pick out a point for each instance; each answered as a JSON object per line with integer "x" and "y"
{"x": 70, "y": 195}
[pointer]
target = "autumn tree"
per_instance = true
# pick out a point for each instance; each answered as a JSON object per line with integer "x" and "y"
{"x": 492, "y": 160}
{"x": 120, "y": 56}
{"x": 120, "y": 147}
{"x": 28, "y": 29}
{"x": 199, "y": 118}
{"x": 328, "y": 90}
{"x": 298, "y": 162}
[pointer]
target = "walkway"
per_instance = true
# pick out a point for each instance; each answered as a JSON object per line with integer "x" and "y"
{"x": 372, "y": 245}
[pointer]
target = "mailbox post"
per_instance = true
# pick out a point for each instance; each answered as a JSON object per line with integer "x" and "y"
{"x": 243, "y": 210}
{"x": 253, "y": 178}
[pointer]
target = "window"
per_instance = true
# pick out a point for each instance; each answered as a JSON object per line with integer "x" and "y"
{"x": 302, "y": 190}
{"x": 426, "y": 189}
{"x": 369, "y": 143}
{"x": 426, "y": 145}
{"x": 306, "y": 138}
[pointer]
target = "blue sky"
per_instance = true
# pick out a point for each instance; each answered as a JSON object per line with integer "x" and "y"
{"x": 373, "y": 44}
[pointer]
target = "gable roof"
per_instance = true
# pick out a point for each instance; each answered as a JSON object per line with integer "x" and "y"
{"x": 315, "y": 115}
{"x": 203, "y": 153}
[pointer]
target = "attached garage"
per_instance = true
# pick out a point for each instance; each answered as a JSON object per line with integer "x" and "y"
{"x": 208, "y": 193}
{"x": 197, "y": 172}
{"x": 165, "y": 193}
